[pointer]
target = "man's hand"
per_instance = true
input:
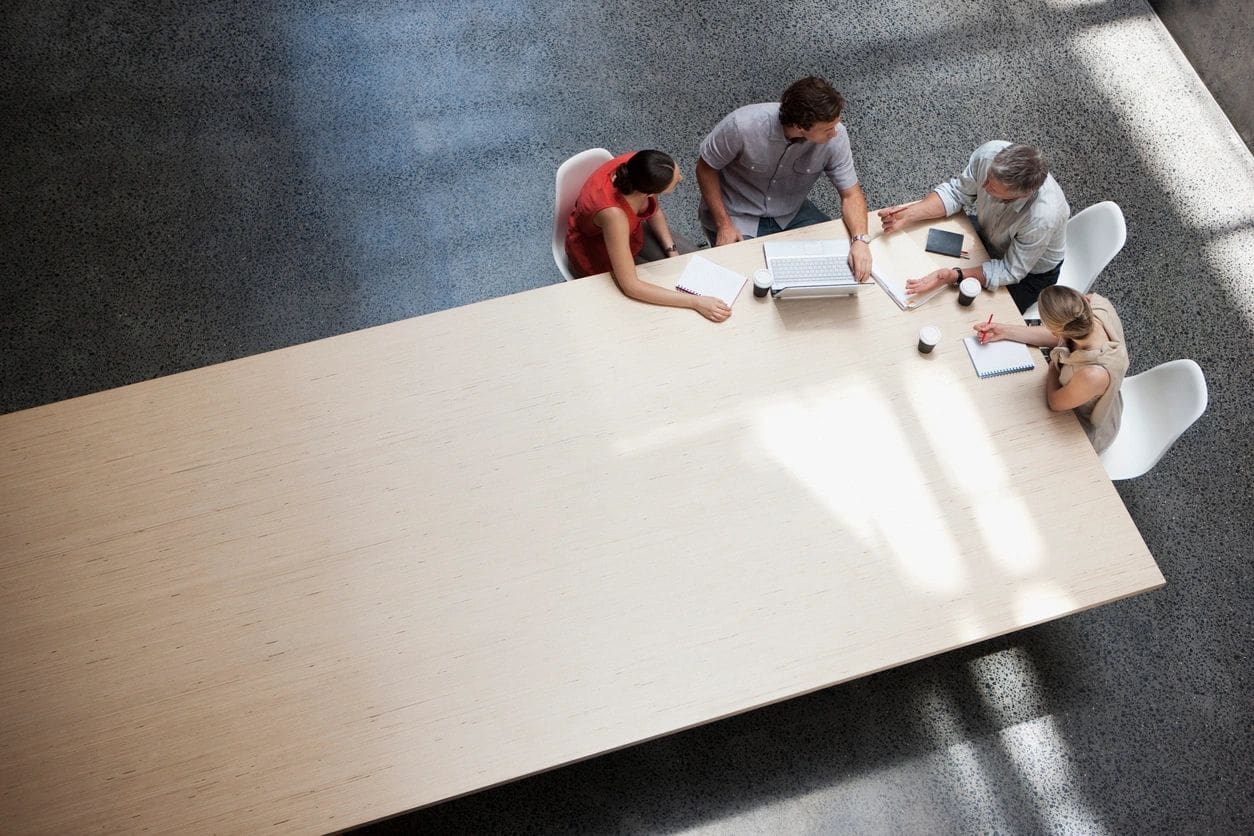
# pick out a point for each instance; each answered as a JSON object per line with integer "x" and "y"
{"x": 932, "y": 280}
{"x": 727, "y": 235}
{"x": 895, "y": 217}
{"x": 860, "y": 260}
{"x": 711, "y": 307}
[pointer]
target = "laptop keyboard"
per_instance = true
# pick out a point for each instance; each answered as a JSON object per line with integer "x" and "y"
{"x": 816, "y": 270}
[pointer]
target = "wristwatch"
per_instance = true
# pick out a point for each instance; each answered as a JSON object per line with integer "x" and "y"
{"x": 960, "y": 276}
{"x": 865, "y": 239}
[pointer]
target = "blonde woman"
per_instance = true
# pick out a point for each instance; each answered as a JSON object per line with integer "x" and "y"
{"x": 1087, "y": 361}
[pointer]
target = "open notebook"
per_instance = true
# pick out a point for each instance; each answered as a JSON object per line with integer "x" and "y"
{"x": 1001, "y": 357}
{"x": 703, "y": 277}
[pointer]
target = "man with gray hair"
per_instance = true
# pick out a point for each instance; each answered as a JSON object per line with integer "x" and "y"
{"x": 1019, "y": 211}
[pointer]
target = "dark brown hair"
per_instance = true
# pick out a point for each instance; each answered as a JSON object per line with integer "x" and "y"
{"x": 648, "y": 172}
{"x": 808, "y": 101}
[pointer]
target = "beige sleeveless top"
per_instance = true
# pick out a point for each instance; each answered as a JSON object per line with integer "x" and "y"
{"x": 1100, "y": 416}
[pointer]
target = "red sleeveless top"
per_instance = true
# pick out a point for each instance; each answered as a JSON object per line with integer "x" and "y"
{"x": 585, "y": 243}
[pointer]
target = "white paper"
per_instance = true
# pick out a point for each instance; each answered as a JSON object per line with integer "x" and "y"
{"x": 896, "y": 289}
{"x": 703, "y": 277}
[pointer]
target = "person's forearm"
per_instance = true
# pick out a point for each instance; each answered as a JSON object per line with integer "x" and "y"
{"x": 929, "y": 208}
{"x": 712, "y": 192}
{"x": 1037, "y": 335}
{"x": 926, "y": 208}
{"x": 853, "y": 210}
{"x": 623, "y": 270}
{"x": 643, "y": 291}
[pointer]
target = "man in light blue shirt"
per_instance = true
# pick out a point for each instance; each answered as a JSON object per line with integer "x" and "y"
{"x": 757, "y": 166}
{"x": 1020, "y": 213}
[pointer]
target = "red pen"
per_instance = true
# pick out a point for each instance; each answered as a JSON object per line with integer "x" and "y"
{"x": 984, "y": 334}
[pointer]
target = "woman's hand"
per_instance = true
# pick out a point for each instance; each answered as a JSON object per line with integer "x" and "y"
{"x": 934, "y": 279}
{"x": 711, "y": 307}
{"x": 991, "y": 332}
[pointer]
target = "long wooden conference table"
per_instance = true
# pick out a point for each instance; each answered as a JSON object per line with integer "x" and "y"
{"x": 324, "y": 585}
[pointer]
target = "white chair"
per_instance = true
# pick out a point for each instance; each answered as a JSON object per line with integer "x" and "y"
{"x": 1158, "y": 406}
{"x": 571, "y": 175}
{"x": 1094, "y": 236}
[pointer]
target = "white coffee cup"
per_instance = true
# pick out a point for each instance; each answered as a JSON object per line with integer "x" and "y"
{"x": 929, "y": 338}
{"x": 968, "y": 289}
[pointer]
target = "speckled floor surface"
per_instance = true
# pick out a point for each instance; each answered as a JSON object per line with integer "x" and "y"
{"x": 185, "y": 183}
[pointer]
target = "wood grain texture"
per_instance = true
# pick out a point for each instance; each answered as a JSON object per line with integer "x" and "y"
{"x": 327, "y": 584}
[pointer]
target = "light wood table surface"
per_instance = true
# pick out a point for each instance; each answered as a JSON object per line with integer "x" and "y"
{"x": 324, "y": 585}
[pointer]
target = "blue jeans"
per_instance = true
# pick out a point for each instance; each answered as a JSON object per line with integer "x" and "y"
{"x": 807, "y": 215}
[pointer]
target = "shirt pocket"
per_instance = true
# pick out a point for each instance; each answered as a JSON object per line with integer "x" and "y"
{"x": 759, "y": 165}
{"x": 801, "y": 172}
{"x": 803, "y": 167}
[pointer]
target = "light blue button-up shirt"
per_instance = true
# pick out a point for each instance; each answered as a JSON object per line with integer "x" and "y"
{"x": 764, "y": 175}
{"x": 1028, "y": 235}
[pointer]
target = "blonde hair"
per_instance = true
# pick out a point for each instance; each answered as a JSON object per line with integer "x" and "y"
{"x": 1066, "y": 312}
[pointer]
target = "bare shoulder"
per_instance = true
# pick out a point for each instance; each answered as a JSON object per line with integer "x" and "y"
{"x": 610, "y": 216}
{"x": 1091, "y": 376}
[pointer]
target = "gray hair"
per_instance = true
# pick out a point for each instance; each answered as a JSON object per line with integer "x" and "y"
{"x": 1021, "y": 168}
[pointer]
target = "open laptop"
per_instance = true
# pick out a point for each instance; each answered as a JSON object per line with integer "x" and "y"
{"x": 810, "y": 269}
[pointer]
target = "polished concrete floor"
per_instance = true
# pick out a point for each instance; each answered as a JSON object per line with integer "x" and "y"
{"x": 185, "y": 183}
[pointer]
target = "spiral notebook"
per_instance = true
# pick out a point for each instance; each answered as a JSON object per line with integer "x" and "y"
{"x": 1001, "y": 357}
{"x": 703, "y": 277}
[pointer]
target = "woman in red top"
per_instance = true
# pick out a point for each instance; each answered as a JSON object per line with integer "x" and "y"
{"x": 606, "y": 229}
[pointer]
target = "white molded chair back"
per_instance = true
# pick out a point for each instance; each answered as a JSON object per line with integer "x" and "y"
{"x": 1158, "y": 406}
{"x": 571, "y": 175}
{"x": 1094, "y": 236}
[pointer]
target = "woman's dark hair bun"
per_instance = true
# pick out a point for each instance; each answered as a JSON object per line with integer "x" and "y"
{"x": 622, "y": 180}
{"x": 649, "y": 172}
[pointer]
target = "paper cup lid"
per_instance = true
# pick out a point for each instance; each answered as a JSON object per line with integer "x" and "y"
{"x": 970, "y": 286}
{"x": 930, "y": 334}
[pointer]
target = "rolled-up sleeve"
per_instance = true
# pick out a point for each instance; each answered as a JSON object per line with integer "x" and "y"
{"x": 723, "y": 144}
{"x": 839, "y": 167}
{"x": 958, "y": 193}
{"x": 1022, "y": 254}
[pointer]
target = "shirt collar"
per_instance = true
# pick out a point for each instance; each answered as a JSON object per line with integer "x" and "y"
{"x": 1017, "y": 205}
